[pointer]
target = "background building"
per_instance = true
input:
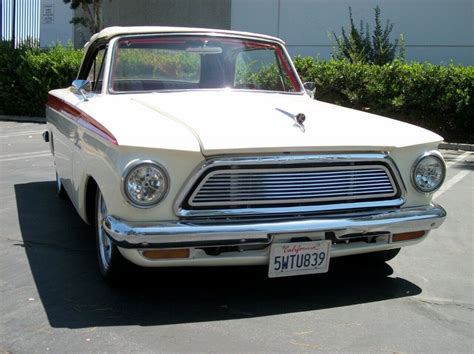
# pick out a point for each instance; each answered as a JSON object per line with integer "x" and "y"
{"x": 55, "y": 23}
{"x": 434, "y": 30}
{"x": 26, "y": 21}
{"x": 44, "y": 21}
{"x": 438, "y": 31}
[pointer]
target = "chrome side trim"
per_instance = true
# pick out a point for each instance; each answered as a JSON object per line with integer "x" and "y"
{"x": 188, "y": 234}
{"x": 286, "y": 160}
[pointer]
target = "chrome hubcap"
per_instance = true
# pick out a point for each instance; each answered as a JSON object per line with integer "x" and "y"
{"x": 105, "y": 245}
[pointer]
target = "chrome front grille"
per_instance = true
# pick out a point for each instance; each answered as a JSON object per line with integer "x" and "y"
{"x": 290, "y": 185}
{"x": 240, "y": 186}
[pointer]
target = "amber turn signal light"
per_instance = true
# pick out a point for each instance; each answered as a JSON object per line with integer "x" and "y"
{"x": 167, "y": 254}
{"x": 407, "y": 236}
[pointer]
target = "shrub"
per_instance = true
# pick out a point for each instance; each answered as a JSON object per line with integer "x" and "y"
{"x": 440, "y": 98}
{"x": 28, "y": 73}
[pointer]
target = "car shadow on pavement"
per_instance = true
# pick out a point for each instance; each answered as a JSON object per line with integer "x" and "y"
{"x": 61, "y": 254}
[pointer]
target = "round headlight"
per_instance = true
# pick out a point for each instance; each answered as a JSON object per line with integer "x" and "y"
{"x": 145, "y": 184}
{"x": 429, "y": 172}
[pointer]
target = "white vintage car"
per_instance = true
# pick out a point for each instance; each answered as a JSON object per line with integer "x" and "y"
{"x": 196, "y": 147}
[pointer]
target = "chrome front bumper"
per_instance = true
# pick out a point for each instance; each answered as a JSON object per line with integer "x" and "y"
{"x": 178, "y": 234}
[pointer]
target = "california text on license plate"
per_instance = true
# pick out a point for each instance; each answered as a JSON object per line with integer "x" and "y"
{"x": 298, "y": 258}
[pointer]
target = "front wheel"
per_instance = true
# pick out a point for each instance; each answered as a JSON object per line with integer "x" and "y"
{"x": 112, "y": 265}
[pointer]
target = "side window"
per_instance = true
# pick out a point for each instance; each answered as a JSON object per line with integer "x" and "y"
{"x": 96, "y": 72}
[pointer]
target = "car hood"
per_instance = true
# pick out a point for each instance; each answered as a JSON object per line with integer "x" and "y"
{"x": 248, "y": 122}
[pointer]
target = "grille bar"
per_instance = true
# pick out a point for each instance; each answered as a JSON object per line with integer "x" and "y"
{"x": 225, "y": 176}
{"x": 300, "y": 190}
{"x": 303, "y": 172}
{"x": 220, "y": 184}
{"x": 277, "y": 185}
{"x": 296, "y": 194}
{"x": 292, "y": 185}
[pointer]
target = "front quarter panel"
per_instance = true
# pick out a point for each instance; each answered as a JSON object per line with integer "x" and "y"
{"x": 106, "y": 164}
{"x": 82, "y": 152}
{"x": 404, "y": 159}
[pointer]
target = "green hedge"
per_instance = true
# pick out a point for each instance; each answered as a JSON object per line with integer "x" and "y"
{"x": 440, "y": 98}
{"x": 437, "y": 97}
{"x": 28, "y": 73}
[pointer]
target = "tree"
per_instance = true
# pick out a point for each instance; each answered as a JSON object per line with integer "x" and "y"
{"x": 355, "y": 46}
{"x": 383, "y": 51}
{"x": 91, "y": 13}
{"x": 359, "y": 46}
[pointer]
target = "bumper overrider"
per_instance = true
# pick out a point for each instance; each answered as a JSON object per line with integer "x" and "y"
{"x": 183, "y": 234}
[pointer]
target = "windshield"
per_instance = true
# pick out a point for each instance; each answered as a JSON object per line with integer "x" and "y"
{"x": 155, "y": 63}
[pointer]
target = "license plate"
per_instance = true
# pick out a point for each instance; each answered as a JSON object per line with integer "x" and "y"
{"x": 298, "y": 258}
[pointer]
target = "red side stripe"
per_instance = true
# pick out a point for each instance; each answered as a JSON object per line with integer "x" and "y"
{"x": 80, "y": 118}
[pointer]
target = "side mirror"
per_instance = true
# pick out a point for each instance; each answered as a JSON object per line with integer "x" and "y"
{"x": 80, "y": 87}
{"x": 310, "y": 88}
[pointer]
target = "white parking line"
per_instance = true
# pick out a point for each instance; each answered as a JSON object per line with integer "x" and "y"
{"x": 457, "y": 159}
{"x": 456, "y": 178}
{"x": 447, "y": 185}
{"x": 28, "y": 155}
{"x": 21, "y": 134}
{"x": 24, "y": 154}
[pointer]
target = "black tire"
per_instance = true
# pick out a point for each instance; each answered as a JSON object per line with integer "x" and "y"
{"x": 60, "y": 189}
{"x": 378, "y": 257}
{"x": 113, "y": 267}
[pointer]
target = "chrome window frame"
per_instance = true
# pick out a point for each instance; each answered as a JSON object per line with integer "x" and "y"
{"x": 107, "y": 84}
{"x": 263, "y": 160}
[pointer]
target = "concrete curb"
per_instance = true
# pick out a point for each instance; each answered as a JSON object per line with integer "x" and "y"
{"x": 456, "y": 146}
{"x": 23, "y": 119}
{"x": 26, "y": 119}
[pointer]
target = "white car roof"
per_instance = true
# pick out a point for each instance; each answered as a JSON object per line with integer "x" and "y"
{"x": 110, "y": 32}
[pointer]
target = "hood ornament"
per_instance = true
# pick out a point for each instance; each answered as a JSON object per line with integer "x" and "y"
{"x": 299, "y": 119}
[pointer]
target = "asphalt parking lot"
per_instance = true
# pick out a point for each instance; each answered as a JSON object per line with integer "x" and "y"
{"x": 52, "y": 298}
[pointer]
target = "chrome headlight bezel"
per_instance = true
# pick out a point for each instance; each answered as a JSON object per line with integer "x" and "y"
{"x": 133, "y": 166}
{"x": 430, "y": 154}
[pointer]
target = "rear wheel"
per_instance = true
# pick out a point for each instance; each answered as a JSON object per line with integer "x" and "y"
{"x": 112, "y": 265}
